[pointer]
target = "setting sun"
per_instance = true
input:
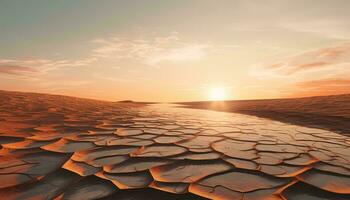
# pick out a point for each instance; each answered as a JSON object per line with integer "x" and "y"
{"x": 165, "y": 99}
{"x": 217, "y": 94}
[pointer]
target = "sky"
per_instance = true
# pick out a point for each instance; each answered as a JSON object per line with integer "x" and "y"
{"x": 176, "y": 50}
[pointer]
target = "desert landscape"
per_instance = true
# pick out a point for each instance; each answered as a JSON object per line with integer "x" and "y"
{"x": 329, "y": 112}
{"x": 175, "y": 100}
{"x": 59, "y": 147}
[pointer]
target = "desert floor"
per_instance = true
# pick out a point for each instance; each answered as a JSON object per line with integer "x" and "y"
{"x": 57, "y": 147}
{"x": 325, "y": 112}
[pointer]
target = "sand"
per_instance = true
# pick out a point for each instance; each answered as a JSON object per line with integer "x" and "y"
{"x": 326, "y": 112}
{"x": 58, "y": 147}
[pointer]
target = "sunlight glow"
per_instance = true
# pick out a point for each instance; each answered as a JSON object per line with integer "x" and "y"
{"x": 217, "y": 94}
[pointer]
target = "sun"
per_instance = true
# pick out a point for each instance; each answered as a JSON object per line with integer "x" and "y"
{"x": 217, "y": 94}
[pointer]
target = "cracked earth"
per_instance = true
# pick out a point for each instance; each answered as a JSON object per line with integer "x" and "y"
{"x": 55, "y": 147}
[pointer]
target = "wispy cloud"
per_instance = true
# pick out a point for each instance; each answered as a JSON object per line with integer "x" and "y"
{"x": 318, "y": 72}
{"x": 333, "y": 57}
{"x": 150, "y": 51}
{"x": 190, "y": 52}
{"x": 320, "y": 87}
{"x": 30, "y": 67}
{"x": 16, "y": 70}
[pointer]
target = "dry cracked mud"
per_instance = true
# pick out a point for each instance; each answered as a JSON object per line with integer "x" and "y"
{"x": 56, "y": 147}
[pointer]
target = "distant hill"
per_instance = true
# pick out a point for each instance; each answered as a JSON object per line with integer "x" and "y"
{"x": 134, "y": 102}
{"x": 126, "y": 101}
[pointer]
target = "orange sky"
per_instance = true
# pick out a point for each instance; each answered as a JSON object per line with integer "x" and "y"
{"x": 163, "y": 50}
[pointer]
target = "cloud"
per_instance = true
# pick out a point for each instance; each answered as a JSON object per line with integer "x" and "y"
{"x": 150, "y": 51}
{"x": 322, "y": 71}
{"x": 193, "y": 52}
{"x": 17, "y": 70}
{"x": 31, "y": 67}
{"x": 330, "y": 57}
{"x": 319, "y": 87}
{"x": 118, "y": 50}
{"x": 108, "y": 52}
